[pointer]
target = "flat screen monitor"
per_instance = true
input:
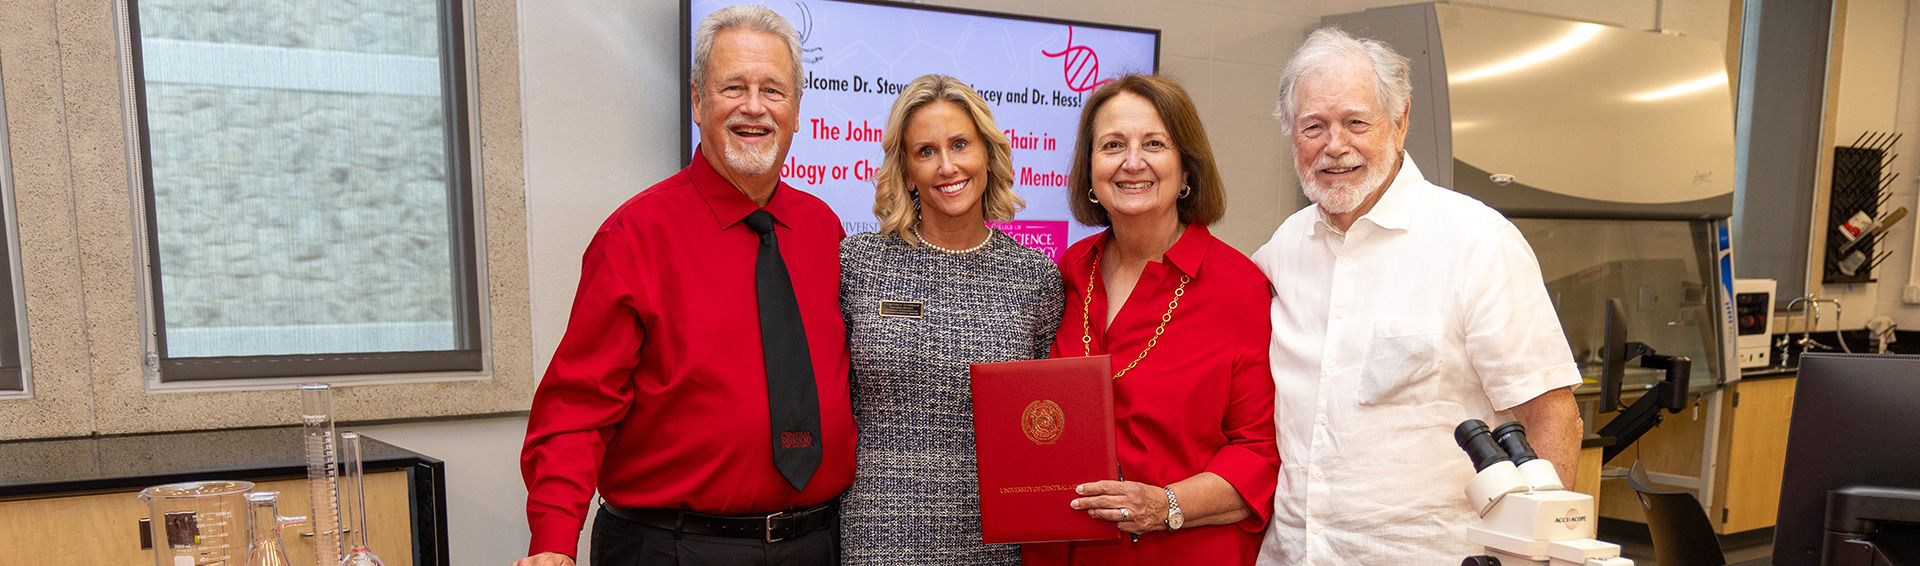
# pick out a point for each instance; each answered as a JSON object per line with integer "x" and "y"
{"x": 1033, "y": 72}
{"x": 1854, "y": 418}
{"x": 1613, "y": 356}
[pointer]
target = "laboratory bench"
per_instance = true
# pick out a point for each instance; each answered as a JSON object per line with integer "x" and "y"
{"x": 75, "y": 498}
{"x": 1748, "y": 443}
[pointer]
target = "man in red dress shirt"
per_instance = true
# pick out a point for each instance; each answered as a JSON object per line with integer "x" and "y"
{"x": 658, "y": 395}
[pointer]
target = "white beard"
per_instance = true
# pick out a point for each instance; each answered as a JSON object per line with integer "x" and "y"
{"x": 1342, "y": 198}
{"x": 752, "y": 162}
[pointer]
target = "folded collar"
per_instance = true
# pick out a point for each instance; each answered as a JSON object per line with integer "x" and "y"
{"x": 1186, "y": 254}
{"x": 729, "y": 204}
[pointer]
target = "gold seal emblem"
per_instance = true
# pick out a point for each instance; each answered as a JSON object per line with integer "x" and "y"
{"x": 1043, "y": 421}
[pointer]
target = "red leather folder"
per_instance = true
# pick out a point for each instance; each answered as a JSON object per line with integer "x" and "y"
{"x": 1041, "y": 427}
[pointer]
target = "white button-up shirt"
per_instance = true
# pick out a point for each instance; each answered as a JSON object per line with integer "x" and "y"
{"x": 1428, "y": 311}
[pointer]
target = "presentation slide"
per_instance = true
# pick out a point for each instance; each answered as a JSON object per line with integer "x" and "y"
{"x": 1034, "y": 74}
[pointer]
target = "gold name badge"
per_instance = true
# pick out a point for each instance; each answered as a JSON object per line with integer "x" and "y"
{"x": 911, "y": 309}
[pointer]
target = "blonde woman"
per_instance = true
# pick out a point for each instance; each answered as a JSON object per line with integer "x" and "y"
{"x": 934, "y": 290}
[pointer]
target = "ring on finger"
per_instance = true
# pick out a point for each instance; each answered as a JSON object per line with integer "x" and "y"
{"x": 1126, "y": 514}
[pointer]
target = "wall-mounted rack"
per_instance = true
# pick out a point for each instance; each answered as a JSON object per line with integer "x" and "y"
{"x": 1855, "y": 221}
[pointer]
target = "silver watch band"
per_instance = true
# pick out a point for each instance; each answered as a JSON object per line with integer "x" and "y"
{"x": 1175, "y": 518}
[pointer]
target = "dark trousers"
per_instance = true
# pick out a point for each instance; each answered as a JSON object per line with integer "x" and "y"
{"x": 619, "y": 542}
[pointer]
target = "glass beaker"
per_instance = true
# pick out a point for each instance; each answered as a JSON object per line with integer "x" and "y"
{"x": 198, "y": 523}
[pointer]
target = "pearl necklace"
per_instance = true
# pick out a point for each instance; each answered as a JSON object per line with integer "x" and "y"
{"x": 937, "y": 247}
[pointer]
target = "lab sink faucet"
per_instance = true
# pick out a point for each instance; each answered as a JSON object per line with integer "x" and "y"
{"x": 1806, "y": 342}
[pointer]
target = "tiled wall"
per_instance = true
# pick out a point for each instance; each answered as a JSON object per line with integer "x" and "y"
{"x": 1880, "y": 91}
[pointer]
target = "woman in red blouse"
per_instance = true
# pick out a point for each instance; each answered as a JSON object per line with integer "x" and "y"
{"x": 1185, "y": 318}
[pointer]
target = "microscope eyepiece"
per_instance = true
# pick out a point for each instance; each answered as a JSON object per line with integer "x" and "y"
{"x": 1513, "y": 439}
{"x": 1473, "y": 437}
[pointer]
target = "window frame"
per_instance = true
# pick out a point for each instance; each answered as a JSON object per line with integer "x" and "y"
{"x": 13, "y": 312}
{"x": 468, "y": 360}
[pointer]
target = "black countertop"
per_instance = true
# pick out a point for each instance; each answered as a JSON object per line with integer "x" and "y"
{"x": 1768, "y": 373}
{"x": 41, "y": 467}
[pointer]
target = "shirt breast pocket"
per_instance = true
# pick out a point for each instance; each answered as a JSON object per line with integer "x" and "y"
{"x": 1404, "y": 359}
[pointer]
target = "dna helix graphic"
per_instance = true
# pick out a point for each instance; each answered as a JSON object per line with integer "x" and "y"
{"x": 1080, "y": 66}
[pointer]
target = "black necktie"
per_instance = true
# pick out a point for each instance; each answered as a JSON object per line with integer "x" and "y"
{"x": 793, "y": 405}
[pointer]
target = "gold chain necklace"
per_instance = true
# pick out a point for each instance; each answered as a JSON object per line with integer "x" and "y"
{"x": 1086, "y": 317}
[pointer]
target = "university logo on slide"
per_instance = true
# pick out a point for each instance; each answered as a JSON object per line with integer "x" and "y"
{"x": 804, "y": 28}
{"x": 1048, "y": 236}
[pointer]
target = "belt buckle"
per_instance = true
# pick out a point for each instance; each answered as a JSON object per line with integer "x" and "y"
{"x": 769, "y": 532}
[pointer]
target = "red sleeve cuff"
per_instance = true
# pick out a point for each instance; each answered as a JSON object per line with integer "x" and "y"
{"x": 1253, "y": 523}
{"x": 555, "y": 534}
{"x": 1252, "y": 475}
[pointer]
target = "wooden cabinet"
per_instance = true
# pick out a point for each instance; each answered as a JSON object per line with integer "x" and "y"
{"x": 104, "y": 528}
{"x": 1755, "y": 457}
{"x": 1587, "y": 479}
{"x": 1750, "y": 452}
{"x": 73, "y": 501}
{"x": 1676, "y": 447}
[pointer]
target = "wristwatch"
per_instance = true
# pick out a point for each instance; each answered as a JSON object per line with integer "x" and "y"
{"x": 1174, "y": 517}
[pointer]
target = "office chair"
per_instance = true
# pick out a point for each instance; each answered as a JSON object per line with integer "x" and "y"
{"x": 1682, "y": 534}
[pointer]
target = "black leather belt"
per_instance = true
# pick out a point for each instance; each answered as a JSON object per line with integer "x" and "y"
{"x": 771, "y": 527}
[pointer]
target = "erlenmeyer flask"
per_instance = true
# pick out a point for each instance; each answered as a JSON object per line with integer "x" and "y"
{"x": 265, "y": 547}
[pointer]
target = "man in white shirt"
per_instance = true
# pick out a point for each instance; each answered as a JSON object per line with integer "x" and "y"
{"x": 1401, "y": 309}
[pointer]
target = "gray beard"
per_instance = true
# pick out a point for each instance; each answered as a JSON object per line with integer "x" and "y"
{"x": 752, "y": 163}
{"x": 1343, "y": 198}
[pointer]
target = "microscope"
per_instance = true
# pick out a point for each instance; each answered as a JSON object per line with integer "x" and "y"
{"x": 1526, "y": 516}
